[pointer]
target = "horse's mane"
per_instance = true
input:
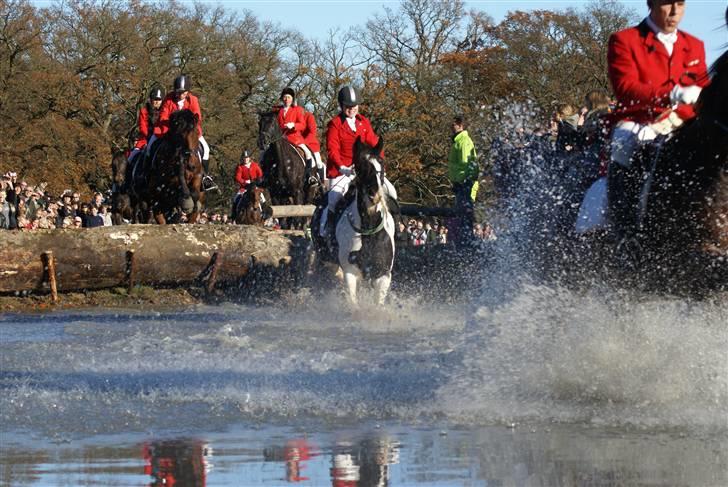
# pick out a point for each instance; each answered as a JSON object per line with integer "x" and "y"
{"x": 182, "y": 122}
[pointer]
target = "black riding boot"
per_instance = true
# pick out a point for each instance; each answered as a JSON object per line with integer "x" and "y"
{"x": 330, "y": 231}
{"x": 623, "y": 193}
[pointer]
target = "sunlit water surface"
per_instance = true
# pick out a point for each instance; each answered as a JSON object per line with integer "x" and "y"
{"x": 545, "y": 386}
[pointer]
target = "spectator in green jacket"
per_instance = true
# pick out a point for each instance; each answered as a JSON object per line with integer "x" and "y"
{"x": 463, "y": 172}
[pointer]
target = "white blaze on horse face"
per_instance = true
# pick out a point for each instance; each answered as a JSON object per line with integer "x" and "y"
{"x": 378, "y": 197}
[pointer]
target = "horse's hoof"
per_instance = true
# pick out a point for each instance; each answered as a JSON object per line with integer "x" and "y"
{"x": 187, "y": 204}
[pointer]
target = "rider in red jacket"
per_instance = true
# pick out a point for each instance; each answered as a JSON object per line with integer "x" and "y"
{"x": 292, "y": 121}
{"x": 247, "y": 172}
{"x": 180, "y": 99}
{"x": 657, "y": 73}
{"x": 341, "y": 133}
{"x": 148, "y": 116}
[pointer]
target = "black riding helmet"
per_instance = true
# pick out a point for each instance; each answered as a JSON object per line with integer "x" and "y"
{"x": 156, "y": 93}
{"x": 288, "y": 91}
{"x": 182, "y": 83}
{"x": 348, "y": 97}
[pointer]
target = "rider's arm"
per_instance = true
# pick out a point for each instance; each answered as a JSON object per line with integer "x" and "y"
{"x": 195, "y": 108}
{"x": 624, "y": 76}
{"x": 162, "y": 125}
{"x": 239, "y": 176}
{"x": 299, "y": 121}
{"x": 333, "y": 144}
{"x": 256, "y": 173}
{"x": 143, "y": 126}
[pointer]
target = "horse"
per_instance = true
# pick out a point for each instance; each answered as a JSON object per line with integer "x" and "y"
{"x": 175, "y": 178}
{"x": 252, "y": 207}
{"x": 283, "y": 164}
{"x": 685, "y": 209}
{"x": 122, "y": 208}
{"x": 365, "y": 229}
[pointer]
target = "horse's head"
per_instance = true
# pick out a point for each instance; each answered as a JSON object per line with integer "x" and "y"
{"x": 268, "y": 129}
{"x": 369, "y": 168}
{"x": 250, "y": 211}
{"x": 185, "y": 137}
{"x": 118, "y": 170}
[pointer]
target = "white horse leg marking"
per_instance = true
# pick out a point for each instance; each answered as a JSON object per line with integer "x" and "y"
{"x": 381, "y": 285}
{"x": 352, "y": 276}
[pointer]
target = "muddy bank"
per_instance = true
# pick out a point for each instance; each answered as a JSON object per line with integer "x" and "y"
{"x": 140, "y": 298}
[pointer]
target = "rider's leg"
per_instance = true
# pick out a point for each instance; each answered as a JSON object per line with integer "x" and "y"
{"x": 624, "y": 185}
{"x": 339, "y": 185}
{"x": 320, "y": 166}
{"x": 133, "y": 154}
{"x": 207, "y": 182}
{"x": 309, "y": 161}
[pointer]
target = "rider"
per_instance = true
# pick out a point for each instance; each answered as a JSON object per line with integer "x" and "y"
{"x": 293, "y": 124}
{"x": 311, "y": 140}
{"x": 341, "y": 133}
{"x": 179, "y": 99}
{"x": 656, "y": 72}
{"x": 248, "y": 172}
{"x": 148, "y": 116}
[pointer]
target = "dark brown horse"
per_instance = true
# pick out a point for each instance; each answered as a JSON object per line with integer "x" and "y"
{"x": 283, "y": 165}
{"x": 122, "y": 208}
{"x": 685, "y": 221}
{"x": 175, "y": 179}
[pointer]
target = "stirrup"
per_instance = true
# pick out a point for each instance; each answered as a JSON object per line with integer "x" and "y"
{"x": 629, "y": 252}
{"x": 208, "y": 184}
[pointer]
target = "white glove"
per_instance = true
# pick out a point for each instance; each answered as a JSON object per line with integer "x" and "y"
{"x": 646, "y": 134}
{"x": 345, "y": 170}
{"x": 290, "y": 125}
{"x": 685, "y": 94}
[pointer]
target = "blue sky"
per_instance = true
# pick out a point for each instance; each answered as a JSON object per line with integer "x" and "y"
{"x": 314, "y": 18}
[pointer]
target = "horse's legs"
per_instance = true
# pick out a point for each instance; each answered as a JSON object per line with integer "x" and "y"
{"x": 352, "y": 275}
{"x": 193, "y": 217}
{"x": 159, "y": 217}
{"x": 381, "y": 285}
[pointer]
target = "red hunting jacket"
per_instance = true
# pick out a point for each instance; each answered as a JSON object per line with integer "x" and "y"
{"x": 340, "y": 142}
{"x": 309, "y": 133}
{"x": 145, "y": 124}
{"x": 244, "y": 175}
{"x": 169, "y": 106}
{"x": 295, "y": 115}
{"x": 643, "y": 74}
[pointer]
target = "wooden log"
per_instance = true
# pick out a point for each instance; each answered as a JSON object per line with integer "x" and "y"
{"x": 96, "y": 258}
{"x": 286, "y": 211}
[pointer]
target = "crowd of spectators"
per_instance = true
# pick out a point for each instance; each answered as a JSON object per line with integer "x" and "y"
{"x": 25, "y": 207}
{"x": 417, "y": 232}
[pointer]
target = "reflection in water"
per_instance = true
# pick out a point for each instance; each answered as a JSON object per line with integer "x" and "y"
{"x": 294, "y": 454}
{"x": 364, "y": 464}
{"x": 177, "y": 462}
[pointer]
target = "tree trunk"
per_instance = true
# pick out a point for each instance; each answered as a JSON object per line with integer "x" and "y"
{"x": 97, "y": 258}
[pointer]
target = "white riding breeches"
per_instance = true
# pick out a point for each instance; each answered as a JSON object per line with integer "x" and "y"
{"x": 205, "y": 148}
{"x": 626, "y": 138}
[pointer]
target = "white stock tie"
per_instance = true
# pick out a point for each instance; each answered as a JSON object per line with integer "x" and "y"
{"x": 668, "y": 40}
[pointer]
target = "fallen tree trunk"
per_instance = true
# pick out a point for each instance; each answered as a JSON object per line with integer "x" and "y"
{"x": 141, "y": 254}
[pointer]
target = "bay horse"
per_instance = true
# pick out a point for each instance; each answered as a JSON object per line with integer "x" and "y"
{"x": 252, "y": 207}
{"x": 175, "y": 179}
{"x": 283, "y": 164}
{"x": 365, "y": 230}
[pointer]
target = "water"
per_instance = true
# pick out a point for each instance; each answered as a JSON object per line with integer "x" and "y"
{"x": 537, "y": 386}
